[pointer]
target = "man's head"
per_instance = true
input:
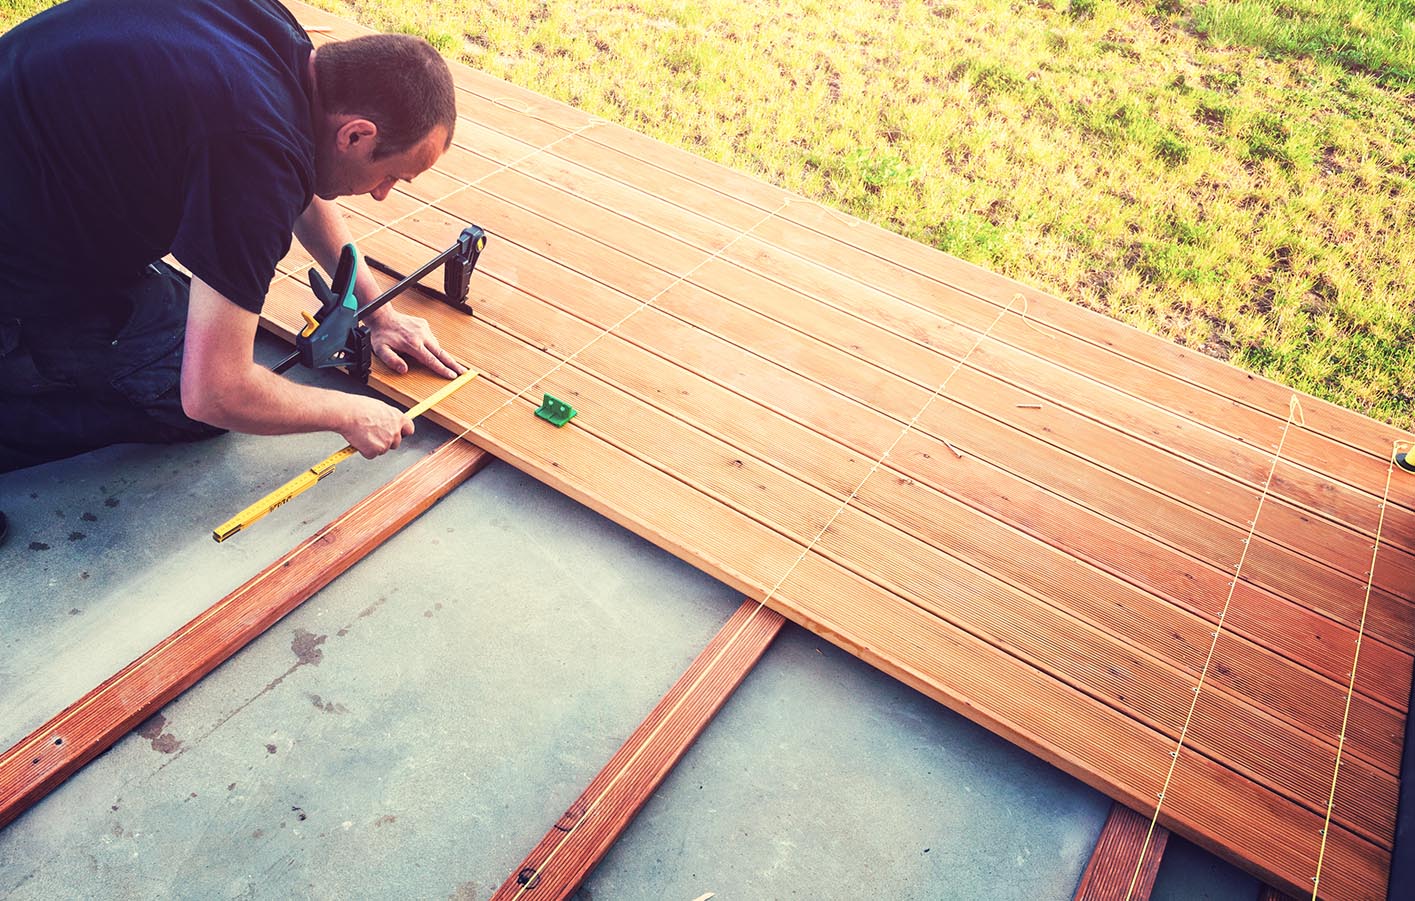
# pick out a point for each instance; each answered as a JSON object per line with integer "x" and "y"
{"x": 385, "y": 109}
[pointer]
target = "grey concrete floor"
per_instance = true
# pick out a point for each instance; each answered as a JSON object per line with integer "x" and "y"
{"x": 413, "y": 729}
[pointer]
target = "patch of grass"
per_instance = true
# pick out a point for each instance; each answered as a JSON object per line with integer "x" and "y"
{"x": 1368, "y": 36}
{"x": 1171, "y": 149}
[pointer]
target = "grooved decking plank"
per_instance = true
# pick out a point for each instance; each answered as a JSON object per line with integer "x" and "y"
{"x": 534, "y": 317}
{"x": 1319, "y": 587}
{"x": 1078, "y": 593}
{"x": 577, "y": 841}
{"x": 1182, "y": 477}
{"x": 1111, "y": 874}
{"x": 925, "y": 575}
{"x": 1006, "y": 618}
{"x": 41, "y": 761}
{"x": 529, "y": 372}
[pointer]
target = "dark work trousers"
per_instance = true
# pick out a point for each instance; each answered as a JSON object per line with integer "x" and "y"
{"x": 73, "y": 384}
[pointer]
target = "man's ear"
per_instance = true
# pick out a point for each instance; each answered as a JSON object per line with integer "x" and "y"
{"x": 357, "y": 136}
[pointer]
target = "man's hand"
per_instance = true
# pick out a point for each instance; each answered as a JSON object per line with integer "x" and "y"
{"x": 392, "y": 333}
{"x": 373, "y": 427}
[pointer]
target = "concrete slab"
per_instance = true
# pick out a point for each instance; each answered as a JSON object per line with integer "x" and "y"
{"x": 413, "y": 729}
{"x": 825, "y": 778}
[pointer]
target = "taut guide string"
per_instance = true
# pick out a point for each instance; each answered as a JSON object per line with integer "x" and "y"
{"x": 1294, "y": 414}
{"x": 1396, "y": 448}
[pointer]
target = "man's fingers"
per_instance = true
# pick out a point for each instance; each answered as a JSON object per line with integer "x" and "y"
{"x": 431, "y": 355}
{"x": 390, "y": 358}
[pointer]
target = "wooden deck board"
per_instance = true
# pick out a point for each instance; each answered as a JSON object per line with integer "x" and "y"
{"x": 1059, "y": 583}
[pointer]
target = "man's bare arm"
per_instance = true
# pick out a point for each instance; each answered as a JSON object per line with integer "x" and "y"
{"x": 323, "y": 233}
{"x": 222, "y": 385}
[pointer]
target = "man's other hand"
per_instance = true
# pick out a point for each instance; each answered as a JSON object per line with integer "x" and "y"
{"x": 373, "y": 427}
{"x": 394, "y": 335}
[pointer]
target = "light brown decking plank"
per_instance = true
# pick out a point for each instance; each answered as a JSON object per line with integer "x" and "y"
{"x": 1055, "y": 383}
{"x": 1357, "y": 743}
{"x": 1404, "y": 559}
{"x": 1234, "y": 543}
{"x": 1301, "y": 579}
{"x": 1145, "y": 690}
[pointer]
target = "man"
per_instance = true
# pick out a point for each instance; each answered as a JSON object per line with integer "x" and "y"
{"x": 211, "y": 130}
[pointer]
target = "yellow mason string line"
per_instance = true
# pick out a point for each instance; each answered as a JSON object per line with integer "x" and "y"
{"x": 1294, "y": 414}
{"x": 1396, "y": 448}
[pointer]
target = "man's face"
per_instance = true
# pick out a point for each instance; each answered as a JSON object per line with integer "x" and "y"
{"x": 349, "y": 167}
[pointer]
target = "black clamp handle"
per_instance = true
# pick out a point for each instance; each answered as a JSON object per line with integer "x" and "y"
{"x": 335, "y": 336}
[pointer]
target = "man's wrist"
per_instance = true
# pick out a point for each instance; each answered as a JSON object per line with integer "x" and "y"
{"x": 380, "y": 317}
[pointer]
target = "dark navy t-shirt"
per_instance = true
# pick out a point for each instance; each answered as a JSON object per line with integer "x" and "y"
{"x": 134, "y": 128}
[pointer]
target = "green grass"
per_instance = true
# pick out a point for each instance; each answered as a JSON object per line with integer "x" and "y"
{"x": 1235, "y": 176}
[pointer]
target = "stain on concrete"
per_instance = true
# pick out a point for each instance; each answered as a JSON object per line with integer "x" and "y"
{"x": 467, "y": 891}
{"x": 74, "y": 611}
{"x": 162, "y": 741}
{"x": 38, "y": 546}
{"x": 88, "y": 517}
{"x": 231, "y": 787}
{"x": 110, "y": 502}
{"x": 385, "y": 820}
{"x": 270, "y": 749}
{"x": 326, "y": 706}
{"x": 83, "y": 575}
{"x": 299, "y": 813}
{"x": 258, "y": 833}
{"x": 306, "y": 647}
{"x": 372, "y": 608}
{"x": 77, "y": 536}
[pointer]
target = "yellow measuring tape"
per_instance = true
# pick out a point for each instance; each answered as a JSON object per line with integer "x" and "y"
{"x": 315, "y": 473}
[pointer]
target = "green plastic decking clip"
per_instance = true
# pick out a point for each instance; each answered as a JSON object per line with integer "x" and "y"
{"x": 556, "y": 411}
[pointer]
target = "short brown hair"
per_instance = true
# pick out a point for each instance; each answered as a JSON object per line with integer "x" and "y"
{"x": 396, "y": 81}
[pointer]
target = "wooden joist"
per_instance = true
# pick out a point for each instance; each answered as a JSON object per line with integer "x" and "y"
{"x": 577, "y": 841}
{"x": 1114, "y": 872}
{"x": 41, "y": 761}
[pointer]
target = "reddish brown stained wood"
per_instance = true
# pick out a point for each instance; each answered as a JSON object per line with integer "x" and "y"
{"x": 1111, "y": 869}
{"x": 55, "y": 751}
{"x": 580, "y": 837}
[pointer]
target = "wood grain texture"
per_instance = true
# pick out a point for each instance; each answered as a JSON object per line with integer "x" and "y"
{"x": 1111, "y": 872}
{"x": 40, "y": 762}
{"x": 577, "y": 841}
{"x": 775, "y": 392}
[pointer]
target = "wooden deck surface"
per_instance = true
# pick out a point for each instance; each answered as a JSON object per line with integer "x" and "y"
{"x": 1025, "y": 510}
